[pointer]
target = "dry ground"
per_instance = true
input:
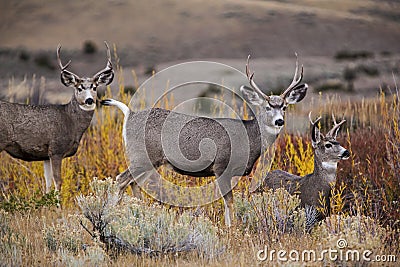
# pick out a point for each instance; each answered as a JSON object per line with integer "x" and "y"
{"x": 163, "y": 30}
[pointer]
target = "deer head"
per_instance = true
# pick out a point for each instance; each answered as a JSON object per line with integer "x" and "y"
{"x": 327, "y": 149}
{"x": 273, "y": 107}
{"x": 85, "y": 88}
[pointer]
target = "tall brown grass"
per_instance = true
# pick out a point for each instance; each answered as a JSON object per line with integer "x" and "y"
{"x": 366, "y": 196}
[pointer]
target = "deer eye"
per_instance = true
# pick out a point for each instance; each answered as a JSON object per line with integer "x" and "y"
{"x": 80, "y": 89}
{"x": 284, "y": 108}
{"x": 267, "y": 108}
{"x": 328, "y": 145}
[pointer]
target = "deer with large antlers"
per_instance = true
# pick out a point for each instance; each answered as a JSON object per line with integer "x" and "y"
{"x": 151, "y": 139}
{"x": 50, "y": 133}
{"x": 314, "y": 189}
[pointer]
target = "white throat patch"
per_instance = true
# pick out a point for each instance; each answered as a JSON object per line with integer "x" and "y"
{"x": 272, "y": 129}
{"x": 329, "y": 165}
{"x": 88, "y": 107}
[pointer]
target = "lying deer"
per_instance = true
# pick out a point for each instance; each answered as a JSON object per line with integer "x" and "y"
{"x": 316, "y": 186}
{"x": 50, "y": 133}
{"x": 237, "y": 144}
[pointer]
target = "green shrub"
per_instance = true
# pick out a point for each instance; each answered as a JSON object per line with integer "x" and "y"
{"x": 334, "y": 84}
{"x": 24, "y": 55}
{"x": 274, "y": 212}
{"x": 130, "y": 90}
{"x": 349, "y": 75}
{"x": 43, "y": 60}
{"x": 14, "y": 202}
{"x": 352, "y": 55}
{"x": 368, "y": 70}
{"x": 150, "y": 70}
{"x": 66, "y": 239}
{"x": 89, "y": 47}
{"x": 134, "y": 227}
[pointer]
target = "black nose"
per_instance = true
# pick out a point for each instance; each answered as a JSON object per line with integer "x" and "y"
{"x": 346, "y": 154}
{"x": 279, "y": 122}
{"x": 89, "y": 101}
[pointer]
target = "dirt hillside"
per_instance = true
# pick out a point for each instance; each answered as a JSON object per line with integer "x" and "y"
{"x": 147, "y": 33}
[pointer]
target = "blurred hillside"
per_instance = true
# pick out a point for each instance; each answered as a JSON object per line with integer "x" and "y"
{"x": 148, "y": 33}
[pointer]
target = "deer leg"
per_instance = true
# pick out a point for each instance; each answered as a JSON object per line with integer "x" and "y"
{"x": 48, "y": 175}
{"x": 228, "y": 204}
{"x": 124, "y": 179}
{"x": 226, "y": 191}
{"x": 55, "y": 162}
{"x": 134, "y": 177}
{"x": 136, "y": 190}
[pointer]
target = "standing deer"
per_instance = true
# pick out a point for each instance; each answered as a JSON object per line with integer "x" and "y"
{"x": 50, "y": 133}
{"x": 316, "y": 186}
{"x": 157, "y": 137}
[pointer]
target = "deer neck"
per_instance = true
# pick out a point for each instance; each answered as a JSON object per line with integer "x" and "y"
{"x": 267, "y": 133}
{"x": 80, "y": 117}
{"x": 325, "y": 170}
{"x": 253, "y": 132}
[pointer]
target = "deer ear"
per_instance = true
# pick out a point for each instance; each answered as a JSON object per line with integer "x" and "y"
{"x": 251, "y": 96}
{"x": 297, "y": 94}
{"x": 69, "y": 79}
{"x": 105, "y": 77}
{"x": 315, "y": 135}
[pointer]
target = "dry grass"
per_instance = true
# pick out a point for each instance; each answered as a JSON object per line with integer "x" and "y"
{"x": 365, "y": 206}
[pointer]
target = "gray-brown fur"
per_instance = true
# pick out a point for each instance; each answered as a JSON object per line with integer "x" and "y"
{"x": 238, "y": 143}
{"x": 314, "y": 187}
{"x": 50, "y": 133}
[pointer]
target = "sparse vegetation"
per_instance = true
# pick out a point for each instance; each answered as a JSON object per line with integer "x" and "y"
{"x": 150, "y": 70}
{"x": 14, "y": 202}
{"x": 130, "y": 90}
{"x": 43, "y": 60}
{"x": 352, "y": 55}
{"x": 368, "y": 70}
{"x": 134, "y": 227}
{"x": 349, "y": 75}
{"x": 333, "y": 84}
{"x": 24, "y": 55}
{"x": 89, "y": 47}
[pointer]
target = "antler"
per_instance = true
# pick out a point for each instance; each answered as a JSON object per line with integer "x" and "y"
{"x": 333, "y": 132}
{"x": 251, "y": 81}
{"x": 315, "y": 129}
{"x": 63, "y": 68}
{"x": 109, "y": 66}
{"x": 316, "y": 120}
{"x": 296, "y": 81}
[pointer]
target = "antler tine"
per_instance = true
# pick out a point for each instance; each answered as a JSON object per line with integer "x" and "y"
{"x": 251, "y": 81}
{"x": 109, "y": 63}
{"x": 335, "y": 127}
{"x": 108, "y": 55}
{"x": 313, "y": 122}
{"x": 295, "y": 80}
{"x": 63, "y": 68}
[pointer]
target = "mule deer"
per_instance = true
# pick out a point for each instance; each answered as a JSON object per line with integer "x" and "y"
{"x": 316, "y": 186}
{"x": 50, "y": 133}
{"x": 237, "y": 144}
